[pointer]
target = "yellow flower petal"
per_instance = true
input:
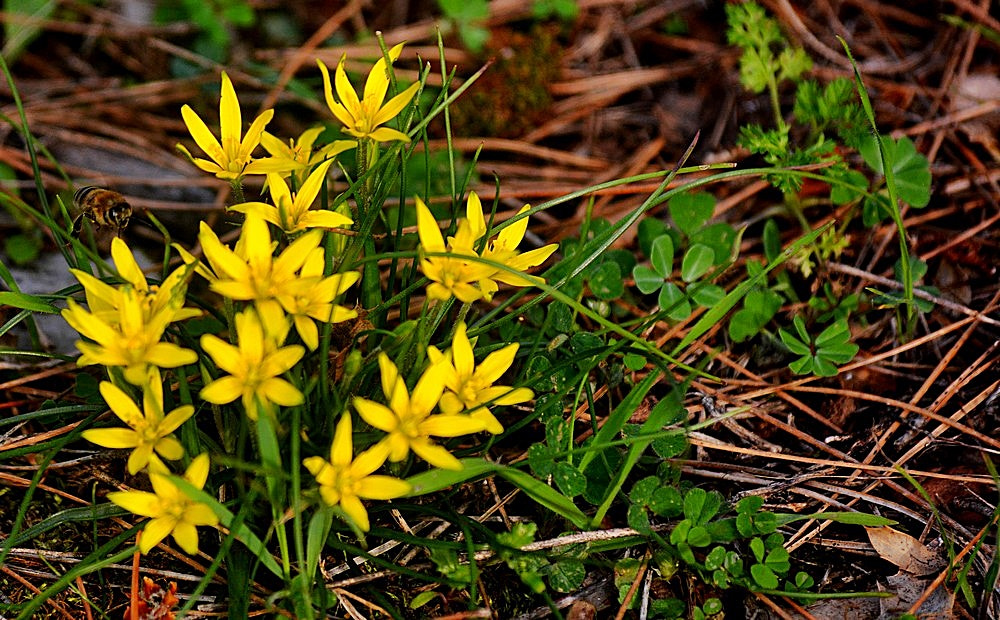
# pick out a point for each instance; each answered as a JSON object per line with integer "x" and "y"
{"x": 186, "y": 536}
{"x": 394, "y": 106}
{"x": 142, "y": 503}
{"x": 348, "y": 96}
{"x": 368, "y": 461}
{"x": 170, "y": 355}
{"x": 330, "y": 495}
{"x": 427, "y": 392}
{"x": 342, "y": 447}
{"x": 461, "y": 352}
{"x": 170, "y": 449}
{"x": 139, "y": 458}
{"x": 201, "y": 514}
{"x": 496, "y": 363}
{"x": 128, "y": 269}
{"x": 202, "y": 135}
{"x": 379, "y": 416}
{"x": 154, "y": 532}
{"x": 197, "y": 471}
{"x": 354, "y": 509}
{"x": 492, "y": 425}
{"x": 114, "y": 438}
{"x": 281, "y": 392}
{"x": 384, "y": 487}
{"x": 388, "y": 134}
{"x": 230, "y": 118}
{"x": 252, "y": 138}
{"x": 121, "y": 404}
{"x": 221, "y": 391}
{"x": 314, "y": 464}
{"x": 450, "y": 425}
{"x": 436, "y": 455}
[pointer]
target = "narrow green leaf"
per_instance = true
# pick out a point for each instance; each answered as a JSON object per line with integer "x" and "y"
{"x": 794, "y": 345}
{"x": 545, "y": 495}
{"x": 802, "y": 366}
{"x": 618, "y": 418}
{"x": 848, "y": 518}
{"x": 270, "y": 456}
{"x": 422, "y": 599}
{"x": 890, "y": 184}
{"x": 23, "y": 28}
{"x": 26, "y": 302}
{"x": 438, "y": 479}
{"x": 319, "y": 529}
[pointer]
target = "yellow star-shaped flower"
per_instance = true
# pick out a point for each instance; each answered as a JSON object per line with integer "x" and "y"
{"x": 149, "y": 430}
{"x": 170, "y": 510}
{"x": 231, "y": 159}
{"x": 345, "y": 480}
{"x": 363, "y": 117}
{"x": 407, "y": 419}
{"x": 470, "y": 387}
{"x": 291, "y": 212}
{"x": 255, "y": 364}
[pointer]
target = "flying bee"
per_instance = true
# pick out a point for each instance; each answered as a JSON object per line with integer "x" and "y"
{"x": 104, "y": 207}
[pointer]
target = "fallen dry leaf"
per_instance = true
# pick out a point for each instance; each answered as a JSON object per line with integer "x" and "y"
{"x": 905, "y": 551}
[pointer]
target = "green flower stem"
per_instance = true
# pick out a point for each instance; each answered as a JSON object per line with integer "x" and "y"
{"x": 238, "y": 196}
{"x": 910, "y": 320}
{"x": 371, "y": 288}
{"x": 297, "y": 509}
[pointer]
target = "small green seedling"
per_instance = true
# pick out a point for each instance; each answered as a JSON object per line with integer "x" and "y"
{"x": 819, "y": 355}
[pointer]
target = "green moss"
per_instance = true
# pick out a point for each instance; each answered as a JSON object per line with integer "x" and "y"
{"x": 512, "y": 97}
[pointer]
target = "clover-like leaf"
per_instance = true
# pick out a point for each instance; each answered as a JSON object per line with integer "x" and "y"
{"x": 662, "y": 255}
{"x": 722, "y": 238}
{"x": 569, "y": 479}
{"x": 566, "y": 575}
{"x": 707, "y": 295}
{"x": 650, "y": 229}
{"x": 691, "y": 210}
{"x": 646, "y": 280}
{"x": 673, "y": 300}
{"x": 696, "y": 262}
{"x": 764, "y": 576}
{"x": 606, "y": 282}
{"x": 911, "y": 169}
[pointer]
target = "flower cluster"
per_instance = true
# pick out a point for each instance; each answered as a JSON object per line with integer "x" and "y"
{"x": 452, "y": 384}
{"x": 459, "y": 270}
{"x": 126, "y": 323}
{"x": 292, "y": 282}
{"x": 287, "y": 270}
